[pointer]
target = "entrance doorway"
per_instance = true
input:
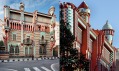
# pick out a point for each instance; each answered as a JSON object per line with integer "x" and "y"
{"x": 28, "y": 51}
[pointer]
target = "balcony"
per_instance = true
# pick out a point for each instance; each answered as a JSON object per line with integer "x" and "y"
{"x": 27, "y": 41}
{"x": 43, "y": 42}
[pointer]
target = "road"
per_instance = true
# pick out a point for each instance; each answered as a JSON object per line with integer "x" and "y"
{"x": 37, "y": 65}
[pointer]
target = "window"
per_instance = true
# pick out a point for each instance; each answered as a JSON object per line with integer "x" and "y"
{"x": 90, "y": 44}
{"x": 42, "y": 50}
{"x": 28, "y": 39}
{"x": 11, "y": 49}
{"x": 30, "y": 51}
{"x": 80, "y": 35}
{"x": 7, "y": 23}
{"x": 17, "y": 49}
{"x": 14, "y": 49}
{"x": 14, "y": 37}
{"x": 42, "y": 38}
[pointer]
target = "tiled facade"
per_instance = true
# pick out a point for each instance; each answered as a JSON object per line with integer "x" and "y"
{"x": 95, "y": 44}
{"x": 29, "y": 34}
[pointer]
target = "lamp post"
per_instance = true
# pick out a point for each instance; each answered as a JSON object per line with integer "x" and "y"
{"x": 32, "y": 49}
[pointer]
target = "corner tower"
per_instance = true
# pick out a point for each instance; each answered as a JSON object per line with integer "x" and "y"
{"x": 109, "y": 32}
{"x": 84, "y": 11}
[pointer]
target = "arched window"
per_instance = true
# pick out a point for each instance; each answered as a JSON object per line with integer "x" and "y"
{"x": 17, "y": 26}
{"x": 40, "y": 27}
{"x": 17, "y": 49}
{"x": 7, "y": 23}
{"x": 13, "y": 25}
{"x": 11, "y": 49}
{"x": 29, "y": 28}
{"x": 24, "y": 27}
{"x": 42, "y": 38}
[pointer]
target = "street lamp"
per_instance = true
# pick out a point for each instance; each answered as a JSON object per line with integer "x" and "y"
{"x": 33, "y": 43}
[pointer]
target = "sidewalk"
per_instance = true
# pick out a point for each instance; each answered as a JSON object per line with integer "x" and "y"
{"x": 55, "y": 67}
{"x": 27, "y": 59}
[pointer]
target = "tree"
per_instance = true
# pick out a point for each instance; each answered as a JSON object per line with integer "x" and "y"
{"x": 1, "y": 43}
{"x": 69, "y": 59}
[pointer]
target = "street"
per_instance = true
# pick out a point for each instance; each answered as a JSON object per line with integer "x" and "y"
{"x": 37, "y": 65}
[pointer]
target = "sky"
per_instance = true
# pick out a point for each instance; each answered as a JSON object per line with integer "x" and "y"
{"x": 30, "y": 6}
{"x": 101, "y": 11}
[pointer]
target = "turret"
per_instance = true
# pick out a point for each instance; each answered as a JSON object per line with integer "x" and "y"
{"x": 22, "y": 11}
{"x": 109, "y": 32}
{"x": 51, "y": 10}
{"x": 6, "y": 12}
{"x": 84, "y": 11}
{"x": 21, "y": 6}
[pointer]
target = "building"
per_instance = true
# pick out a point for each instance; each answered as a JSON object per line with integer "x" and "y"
{"x": 56, "y": 48}
{"x": 117, "y": 60}
{"x": 95, "y": 44}
{"x": 28, "y": 34}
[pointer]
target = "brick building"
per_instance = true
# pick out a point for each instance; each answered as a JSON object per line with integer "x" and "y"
{"x": 28, "y": 34}
{"x": 95, "y": 44}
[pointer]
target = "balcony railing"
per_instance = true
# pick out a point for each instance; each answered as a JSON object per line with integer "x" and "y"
{"x": 43, "y": 42}
{"x": 27, "y": 41}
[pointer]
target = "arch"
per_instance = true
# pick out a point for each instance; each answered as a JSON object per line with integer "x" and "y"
{"x": 8, "y": 23}
{"x": 24, "y": 27}
{"x": 29, "y": 27}
{"x": 40, "y": 28}
{"x": 42, "y": 38}
{"x": 17, "y": 26}
{"x": 11, "y": 25}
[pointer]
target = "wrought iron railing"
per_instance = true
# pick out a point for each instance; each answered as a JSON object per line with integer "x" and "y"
{"x": 27, "y": 41}
{"x": 42, "y": 42}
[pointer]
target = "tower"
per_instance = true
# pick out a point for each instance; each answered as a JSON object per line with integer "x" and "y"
{"x": 109, "y": 32}
{"x": 84, "y": 11}
{"x": 21, "y": 6}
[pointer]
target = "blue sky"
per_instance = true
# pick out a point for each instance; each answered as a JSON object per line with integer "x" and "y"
{"x": 31, "y": 6}
{"x": 102, "y": 10}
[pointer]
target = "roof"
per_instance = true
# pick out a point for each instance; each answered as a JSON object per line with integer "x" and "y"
{"x": 83, "y": 5}
{"x": 107, "y": 26}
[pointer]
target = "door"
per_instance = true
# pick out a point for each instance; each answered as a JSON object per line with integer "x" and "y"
{"x": 26, "y": 51}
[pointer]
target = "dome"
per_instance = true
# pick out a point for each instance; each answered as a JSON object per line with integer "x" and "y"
{"x": 107, "y": 26}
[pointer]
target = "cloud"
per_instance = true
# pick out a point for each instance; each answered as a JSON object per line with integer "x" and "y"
{"x": 1, "y": 12}
{"x": 14, "y": 5}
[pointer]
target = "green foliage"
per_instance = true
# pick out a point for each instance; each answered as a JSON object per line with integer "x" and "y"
{"x": 69, "y": 56}
{"x": 1, "y": 43}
